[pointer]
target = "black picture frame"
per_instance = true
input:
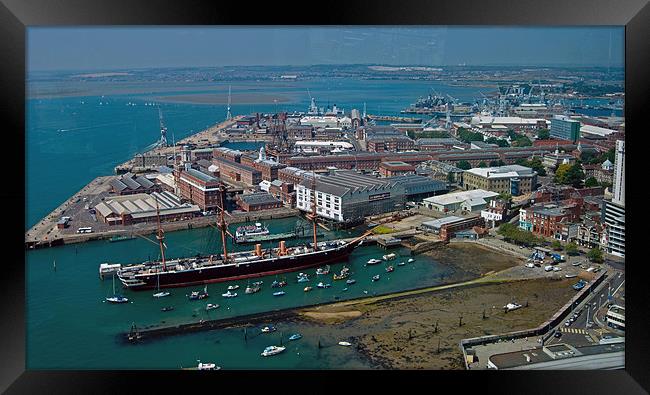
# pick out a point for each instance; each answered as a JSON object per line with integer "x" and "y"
{"x": 16, "y": 15}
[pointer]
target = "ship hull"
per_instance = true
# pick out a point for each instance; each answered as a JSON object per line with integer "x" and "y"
{"x": 230, "y": 272}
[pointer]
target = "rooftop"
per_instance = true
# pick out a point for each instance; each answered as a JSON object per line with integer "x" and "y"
{"x": 201, "y": 176}
{"x": 503, "y": 171}
{"x": 459, "y": 197}
{"x": 258, "y": 198}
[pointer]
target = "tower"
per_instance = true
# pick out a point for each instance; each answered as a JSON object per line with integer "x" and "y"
{"x": 229, "y": 115}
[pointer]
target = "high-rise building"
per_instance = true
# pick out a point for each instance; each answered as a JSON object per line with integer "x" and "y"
{"x": 565, "y": 128}
{"x": 613, "y": 240}
{"x": 619, "y": 174}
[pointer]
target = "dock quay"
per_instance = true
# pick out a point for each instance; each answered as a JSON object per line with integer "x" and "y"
{"x": 41, "y": 239}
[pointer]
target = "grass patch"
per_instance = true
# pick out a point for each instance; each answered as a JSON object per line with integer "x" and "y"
{"x": 382, "y": 230}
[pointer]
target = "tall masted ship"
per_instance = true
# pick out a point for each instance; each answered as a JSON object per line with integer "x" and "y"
{"x": 233, "y": 266}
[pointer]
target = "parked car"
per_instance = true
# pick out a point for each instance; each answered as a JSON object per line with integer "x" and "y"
{"x": 558, "y": 334}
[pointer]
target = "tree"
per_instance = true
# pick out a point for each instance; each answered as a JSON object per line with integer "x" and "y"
{"x": 499, "y": 142}
{"x": 505, "y": 196}
{"x": 556, "y": 245}
{"x": 543, "y": 134}
{"x": 571, "y": 248}
{"x": 469, "y": 136}
{"x": 595, "y": 255}
{"x": 569, "y": 174}
{"x": 464, "y": 165}
{"x": 522, "y": 141}
{"x": 482, "y": 164}
{"x": 611, "y": 155}
{"x": 591, "y": 182}
{"x": 450, "y": 177}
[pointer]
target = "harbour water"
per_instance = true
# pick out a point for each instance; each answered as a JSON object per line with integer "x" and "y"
{"x": 71, "y": 327}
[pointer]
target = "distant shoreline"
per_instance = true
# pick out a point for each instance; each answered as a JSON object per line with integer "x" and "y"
{"x": 212, "y": 98}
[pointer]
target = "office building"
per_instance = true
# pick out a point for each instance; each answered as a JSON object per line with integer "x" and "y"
{"x": 513, "y": 179}
{"x": 565, "y": 128}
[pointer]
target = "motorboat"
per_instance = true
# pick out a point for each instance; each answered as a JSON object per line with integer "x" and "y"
{"x": 390, "y": 269}
{"x": 401, "y": 264}
{"x": 302, "y": 277}
{"x": 272, "y": 350}
{"x": 321, "y": 285}
{"x": 512, "y": 306}
{"x": 411, "y": 260}
{"x": 295, "y": 336}
{"x": 345, "y": 344}
{"x": 374, "y": 261}
{"x": 388, "y": 257}
{"x": 251, "y": 290}
{"x": 161, "y": 294}
{"x": 279, "y": 293}
{"x": 211, "y": 306}
{"x": 351, "y": 281}
{"x": 321, "y": 271}
{"x": 233, "y": 287}
{"x": 229, "y": 294}
{"x": 375, "y": 277}
{"x": 168, "y": 308}
{"x": 307, "y": 289}
{"x": 269, "y": 328}
{"x": 207, "y": 366}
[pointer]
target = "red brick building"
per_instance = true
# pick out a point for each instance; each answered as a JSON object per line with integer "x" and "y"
{"x": 258, "y": 201}
{"x": 238, "y": 172}
{"x": 395, "y": 168}
{"x": 199, "y": 188}
{"x": 284, "y": 192}
{"x": 390, "y": 143}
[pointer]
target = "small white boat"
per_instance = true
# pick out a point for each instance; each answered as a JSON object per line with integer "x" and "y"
{"x": 307, "y": 289}
{"x": 570, "y": 275}
{"x": 279, "y": 293}
{"x": 321, "y": 285}
{"x": 411, "y": 260}
{"x": 295, "y": 336}
{"x": 207, "y": 366}
{"x": 268, "y": 329}
{"x": 401, "y": 264}
{"x": 211, "y": 306}
{"x": 321, "y": 270}
{"x": 272, "y": 350}
{"x": 233, "y": 287}
{"x": 229, "y": 294}
{"x": 345, "y": 344}
{"x": 512, "y": 306}
{"x": 375, "y": 277}
{"x": 374, "y": 261}
{"x": 388, "y": 257}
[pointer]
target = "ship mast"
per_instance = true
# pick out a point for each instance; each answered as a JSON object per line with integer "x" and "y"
{"x": 222, "y": 223}
{"x": 313, "y": 216}
{"x": 160, "y": 236}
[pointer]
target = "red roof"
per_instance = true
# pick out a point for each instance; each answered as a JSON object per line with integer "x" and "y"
{"x": 545, "y": 143}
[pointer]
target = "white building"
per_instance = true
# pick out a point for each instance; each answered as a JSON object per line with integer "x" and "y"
{"x": 474, "y": 200}
{"x": 326, "y": 121}
{"x": 613, "y": 238}
{"x": 619, "y": 174}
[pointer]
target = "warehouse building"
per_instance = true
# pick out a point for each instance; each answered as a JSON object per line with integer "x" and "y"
{"x": 474, "y": 200}
{"x": 129, "y": 184}
{"x": 199, "y": 188}
{"x": 132, "y": 209}
{"x": 258, "y": 201}
{"x": 348, "y": 196}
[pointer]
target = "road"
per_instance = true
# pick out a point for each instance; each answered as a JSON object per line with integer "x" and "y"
{"x": 580, "y": 333}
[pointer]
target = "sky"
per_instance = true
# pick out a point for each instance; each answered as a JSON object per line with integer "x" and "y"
{"x": 118, "y": 48}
